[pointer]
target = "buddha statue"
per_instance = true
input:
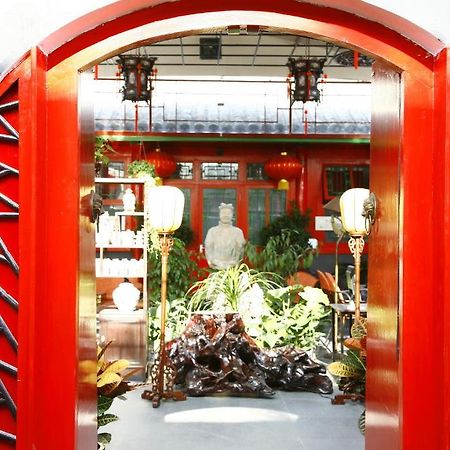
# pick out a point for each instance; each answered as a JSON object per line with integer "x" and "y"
{"x": 224, "y": 243}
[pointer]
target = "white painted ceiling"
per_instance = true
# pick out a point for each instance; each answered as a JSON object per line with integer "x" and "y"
{"x": 245, "y": 53}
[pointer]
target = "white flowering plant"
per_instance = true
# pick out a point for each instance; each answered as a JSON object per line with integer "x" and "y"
{"x": 274, "y": 315}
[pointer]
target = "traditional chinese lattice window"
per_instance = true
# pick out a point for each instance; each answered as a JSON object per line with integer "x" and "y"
{"x": 220, "y": 171}
{"x": 338, "y": 178}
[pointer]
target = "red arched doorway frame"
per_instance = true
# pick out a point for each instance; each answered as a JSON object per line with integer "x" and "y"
{"x": 57, "y": 171}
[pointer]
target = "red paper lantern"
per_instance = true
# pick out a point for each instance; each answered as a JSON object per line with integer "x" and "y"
{"x": 164, "y": 163}
{"x": 283, "y": 168}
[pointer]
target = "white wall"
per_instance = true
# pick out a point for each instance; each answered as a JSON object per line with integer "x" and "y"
{"x": 24, "y": 23}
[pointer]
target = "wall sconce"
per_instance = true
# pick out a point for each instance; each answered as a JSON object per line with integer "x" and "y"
{"x": 306, "y": 73}
{"x": 358, "y": 209}
{"x": 137, "y": 72}
{"x": 165, "y": 213}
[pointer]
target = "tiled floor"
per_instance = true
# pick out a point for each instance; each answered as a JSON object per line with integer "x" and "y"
{"x": 290, "y": 420}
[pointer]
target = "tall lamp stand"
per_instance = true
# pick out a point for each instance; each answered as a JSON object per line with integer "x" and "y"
{"x": 356, "y": 245}
{"x": 358, "y": 210}
{"x": 163, "y": 373}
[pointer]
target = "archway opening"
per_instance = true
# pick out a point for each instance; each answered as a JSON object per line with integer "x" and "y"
{"x": 144, "y": 129}
{"x": 87, "y": 45}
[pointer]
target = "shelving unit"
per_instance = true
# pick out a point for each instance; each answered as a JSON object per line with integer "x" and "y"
{"x": 128, "y": 330}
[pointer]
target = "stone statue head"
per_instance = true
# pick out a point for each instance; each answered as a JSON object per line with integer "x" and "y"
{"x": 226, "y": 212}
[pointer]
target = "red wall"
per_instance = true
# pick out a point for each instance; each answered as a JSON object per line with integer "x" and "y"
{"x": 306, "y": 190}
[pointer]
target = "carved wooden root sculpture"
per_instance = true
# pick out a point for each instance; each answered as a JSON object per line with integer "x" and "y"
{"x": 216, "y": 355}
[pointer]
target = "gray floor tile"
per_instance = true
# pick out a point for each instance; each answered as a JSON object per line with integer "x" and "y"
{"x": 289, "y": 421}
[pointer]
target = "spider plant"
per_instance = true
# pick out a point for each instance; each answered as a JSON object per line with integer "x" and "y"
{"x": 226, "y": 287}
{"x": 274, "y": 315}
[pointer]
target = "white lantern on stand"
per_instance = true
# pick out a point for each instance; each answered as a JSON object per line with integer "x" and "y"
{"x": 358, "y": 208}
{"x": 352, "y": 209}
{"x": 164, "y": 214}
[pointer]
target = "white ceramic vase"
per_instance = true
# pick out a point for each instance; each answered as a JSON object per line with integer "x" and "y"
{"x": 126, "y": 297}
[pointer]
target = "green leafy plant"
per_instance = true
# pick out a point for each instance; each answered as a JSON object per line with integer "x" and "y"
{"x": 294, "y": 219}
{"x": 140, "y": 168}
{"x": 285, "y": 247}
{"x": 295, "y": 320}
{"x": 224, "y": 288}
{"x": 351, "y": 369}
{"x": 283, "y": 254}
{"x": 183, "y": 271}
{"x": 102, "y": 147}
{"x": 274, "y": 315}
{"x": 110, "y": 384}
{"x": 176, "y": 319}
{"x": 185, "y": 233}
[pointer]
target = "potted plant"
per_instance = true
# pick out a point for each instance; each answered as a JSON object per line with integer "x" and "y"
{"x": 285, "y": 247}
{"x": 351, "y": 369}
{"x": 110, "y": 384}
{"x": 141, "y": 169}
{"x": 274, "y": 315}
{"x": 102, "y": 147}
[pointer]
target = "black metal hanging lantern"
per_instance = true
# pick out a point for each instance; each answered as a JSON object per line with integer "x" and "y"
{"x": 137, "y": 73}
{"x": 306, "y": 73}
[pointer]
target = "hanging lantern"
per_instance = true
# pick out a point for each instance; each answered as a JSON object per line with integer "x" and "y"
{"x": 283, "y": 168}
{"x": 306, "y": 73}
{"x": 164, "y": 163}
{"x": 137, "y": 74}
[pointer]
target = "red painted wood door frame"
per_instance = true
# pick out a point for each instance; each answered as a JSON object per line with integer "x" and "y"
{"x": 58, "y": 327}
{"x": 383, "y": 411}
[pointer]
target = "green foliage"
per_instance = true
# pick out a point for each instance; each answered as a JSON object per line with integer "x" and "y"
{"x": 104, "y": 438}
{"x": 110, "y": 384}
{"x": 228, "y": 285}
{"x": 350, "y": 366}
{"x": 103, "y": 146}
{"x": 185, "y": 234}
{"x": 274, "y": 315}
{"x": 176, "y": 319}
{"x": 351, "y": 369}
{"x": 285, "y": 247}
{"x": 103, "y": 404}
{"x": 283, "y": 254}
{"x": 141, "y": 167}
{"x": 104, "y": 419}
{"x": 292, "y": 220}
{"x": 182, "y": 271}
{"x": 294, "y": 320}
